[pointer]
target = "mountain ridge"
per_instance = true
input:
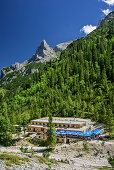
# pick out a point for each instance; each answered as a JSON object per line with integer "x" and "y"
{"x": 44, "y": 53}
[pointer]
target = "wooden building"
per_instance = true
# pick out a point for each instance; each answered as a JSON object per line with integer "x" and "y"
{"x": 40, "y": 127}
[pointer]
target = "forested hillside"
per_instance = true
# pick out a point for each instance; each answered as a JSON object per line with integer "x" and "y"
{"x": 79, "y": 84}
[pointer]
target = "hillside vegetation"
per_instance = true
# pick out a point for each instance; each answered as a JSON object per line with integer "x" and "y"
{"x": 79, "y": 84}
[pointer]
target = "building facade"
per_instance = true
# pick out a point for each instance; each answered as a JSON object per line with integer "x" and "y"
{"x": 40, "y": 127}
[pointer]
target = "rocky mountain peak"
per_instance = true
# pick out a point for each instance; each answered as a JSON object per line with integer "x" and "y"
{"x": 43, "y": 44}
{"x": 106, "y": 19}
{"x": 43, "y": 53}
{"x": 43, "y": 50}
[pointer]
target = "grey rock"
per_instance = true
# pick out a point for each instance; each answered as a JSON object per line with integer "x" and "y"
{"x": 34, "y": 58}
{"x": 14, "y": 77}
{"x": 4, "y": 72}
{"x": 16, "y": 66}
{"x": 43, "y": 50}
{"x": 22, "y": 69}
{"x": 43, "y": 53}
{"x": 60, "y": 47}
{"x": 32, "y": 71}
{"x": 106, "y": 19}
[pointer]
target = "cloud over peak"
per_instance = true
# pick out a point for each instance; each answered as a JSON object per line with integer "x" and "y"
{"x": 88, "y": 28}
{"x": 107, "y": 11}
{"x": 109, "y": 2}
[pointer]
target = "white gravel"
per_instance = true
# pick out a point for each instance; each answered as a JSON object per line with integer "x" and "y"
{"x": 73, "y": 154}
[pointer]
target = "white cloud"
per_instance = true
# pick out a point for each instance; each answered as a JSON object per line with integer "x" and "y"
{"x": 109, "y": 2}
{"x": 107, "y": 11}
{"x": 88, "y": 28}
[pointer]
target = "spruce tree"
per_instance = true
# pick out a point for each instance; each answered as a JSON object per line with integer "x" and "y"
{"x": 5, "y": 131}
{"x": 51, "y": 135}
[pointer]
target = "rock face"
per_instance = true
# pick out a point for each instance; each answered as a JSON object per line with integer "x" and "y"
{"x": 16, "y": 66}
{"x": 43, "y": 53}
{"x": 106, "y": 19}
{"x": 32, "y": 71}
{"x": 60, "y": 47}
{"x": 4, "y": 71}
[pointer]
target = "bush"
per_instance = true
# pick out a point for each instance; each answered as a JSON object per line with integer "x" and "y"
{"x": 111, "y": 161}
{"x": 46, "y": 154}
{"x": 8, "y": 163}
{"x": 32, "y": 151}
{"x": 49, "y": 165}
{"x": 41, "y": 143}
{"x": 49, "y": 150}
{"x": 103, "y": 142}
{"x": 85, "y": 147}
{"x": 24, "y": 150}
{"x": 52, "y": 160}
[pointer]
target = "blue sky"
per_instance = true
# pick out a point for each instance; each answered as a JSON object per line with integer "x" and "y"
{"x": 25, "y": 23}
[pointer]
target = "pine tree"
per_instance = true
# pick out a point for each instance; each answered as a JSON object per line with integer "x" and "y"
{"x": 110, "y": 123}
{"x": 2, "y": 93}
{"x": 24, "y": 120}
{"x": 5, "y": 131}
{"x": 51, "y": 135}
{"x": 52, "y": 79}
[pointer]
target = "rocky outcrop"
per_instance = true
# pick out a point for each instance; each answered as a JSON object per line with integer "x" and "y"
{"x": 44, "y": 50}
{"x": 106, "y": 19}
{"x": 60, "y": 47}
{"x": 43, "y": 53}
{"x": 16, "y": 66}
{"x": 5, "y": 71}
{"x": 32, "y": 71}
